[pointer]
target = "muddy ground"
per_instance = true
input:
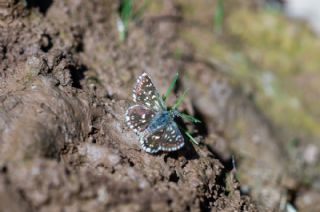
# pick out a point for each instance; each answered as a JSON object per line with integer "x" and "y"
{"x": 66, "y": 82}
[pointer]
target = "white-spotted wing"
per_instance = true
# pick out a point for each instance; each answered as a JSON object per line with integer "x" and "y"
{"x": 145, "y": 93}
{"x": 138, "y": 117}
{"x": 166, "y": 139}
{"x": 151, "y": 143}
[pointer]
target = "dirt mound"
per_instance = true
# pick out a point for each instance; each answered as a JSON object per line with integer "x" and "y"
{"x": 66, "y": 82}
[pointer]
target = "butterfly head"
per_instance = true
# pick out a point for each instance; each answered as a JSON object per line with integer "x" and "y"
{"x": 174, "y": 113}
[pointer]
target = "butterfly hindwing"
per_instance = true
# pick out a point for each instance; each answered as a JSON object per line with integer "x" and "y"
{"x": 167, "y": 139}
{"x": 151, "y": 143}
{"x": 138, "y": 117}
{"x": 171, "y": 139}
{"x": 146, "y": 93}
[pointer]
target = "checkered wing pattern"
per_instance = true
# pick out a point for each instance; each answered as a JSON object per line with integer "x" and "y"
{"x": 151, "y": 143}
{"x": 167, "y": 139}
{"x": 138, "y": 117}
{"x": 145, "y": 93}
{"x": 171, "y": 139}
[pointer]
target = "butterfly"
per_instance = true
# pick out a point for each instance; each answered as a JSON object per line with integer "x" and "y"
{"x": 151, "y": 119}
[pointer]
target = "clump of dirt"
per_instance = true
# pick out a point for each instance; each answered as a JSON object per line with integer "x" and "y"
{"x": 66, "y": 82}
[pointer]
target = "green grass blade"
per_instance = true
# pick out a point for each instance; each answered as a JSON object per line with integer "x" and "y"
{"x": 191, "y": 138}
{"x": 171, "y": 86}
{"x": 218, "y": 16}
{"x": 126, "y": 11}
{"x": 188, "y": 135}
{"x": 179, "y": 101}
{"x": 125, "y": 15}
{"x": 189, "y": 118}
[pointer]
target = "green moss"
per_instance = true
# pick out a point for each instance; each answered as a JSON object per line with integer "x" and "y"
{"x": 269, "y": 46}
{"x": 271, "y": 42}
{"x": 274, "y": 42}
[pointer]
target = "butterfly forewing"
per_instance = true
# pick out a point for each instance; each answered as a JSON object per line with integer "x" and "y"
{"x": 138, "y": 117}
{"x": 145, "y": 93}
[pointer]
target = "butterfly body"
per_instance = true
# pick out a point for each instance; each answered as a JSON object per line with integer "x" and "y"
{"x": 160, "y": 120}
{"x": 150, "y": 119}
